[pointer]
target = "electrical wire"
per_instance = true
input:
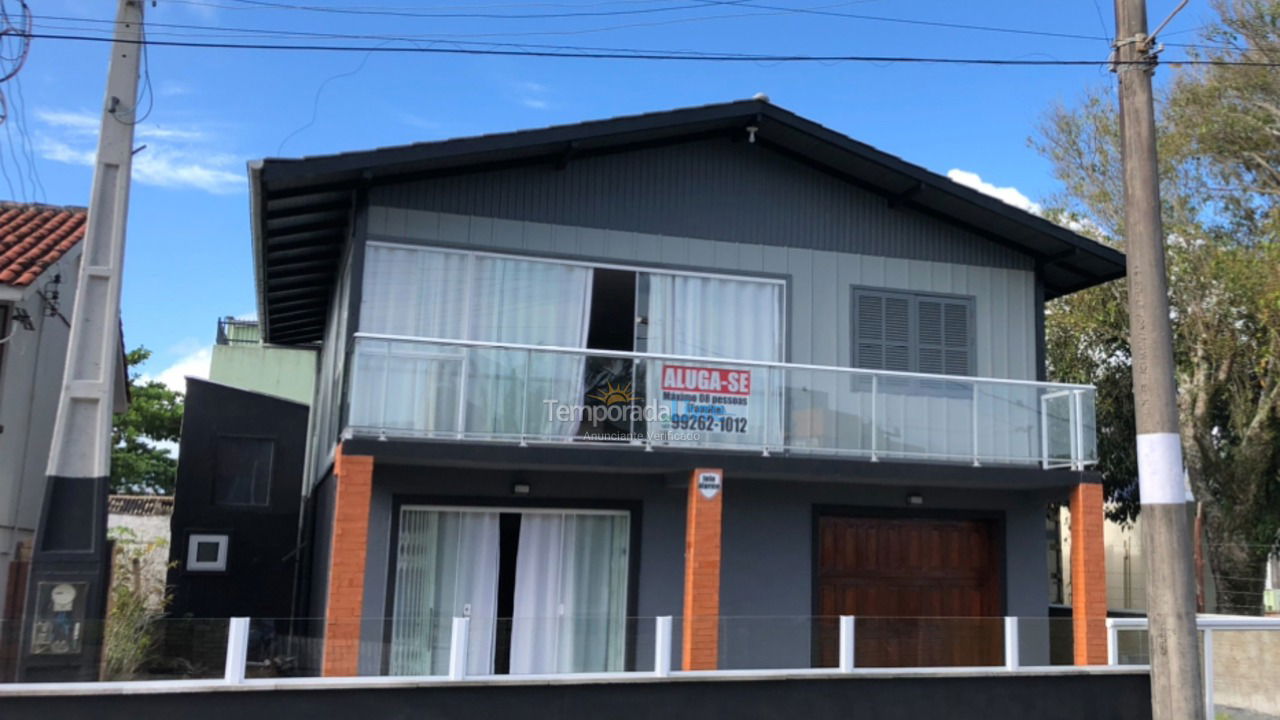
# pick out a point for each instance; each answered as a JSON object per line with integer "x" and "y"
{"x": 434, "y": 38}
{"x": 28, "y": 148}
{"x": 774, "y": 10}
{"x": 406, "y": 13}
{"x": 625, "y": 54}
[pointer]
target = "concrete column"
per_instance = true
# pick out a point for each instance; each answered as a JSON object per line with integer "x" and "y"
{"x": 700, "y": 635}
{"x": 1088, "y": 575}
{"x": 347, "y": 548}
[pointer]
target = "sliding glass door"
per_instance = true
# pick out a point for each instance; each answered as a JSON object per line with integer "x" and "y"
{"x": 717, "y": 401}
{"x": 570, "y": 593}
{"x": 563, "y": 573}
{"x": 446, "y": 567}
{"x": 440, "y": 388}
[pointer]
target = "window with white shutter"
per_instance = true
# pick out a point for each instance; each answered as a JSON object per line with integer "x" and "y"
{"x": 913, "y": 333}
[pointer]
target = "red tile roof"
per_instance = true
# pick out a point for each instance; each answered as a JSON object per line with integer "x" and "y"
{"x": 33, "y": 237}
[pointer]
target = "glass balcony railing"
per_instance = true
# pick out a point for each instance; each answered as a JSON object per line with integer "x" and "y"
{"x": 412, "y": 388}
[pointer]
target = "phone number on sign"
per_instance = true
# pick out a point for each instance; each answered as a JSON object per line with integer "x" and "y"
{"x": 718, "y": 423}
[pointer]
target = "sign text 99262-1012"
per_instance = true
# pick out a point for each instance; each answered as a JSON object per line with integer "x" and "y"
{"x": 707, "y": 398}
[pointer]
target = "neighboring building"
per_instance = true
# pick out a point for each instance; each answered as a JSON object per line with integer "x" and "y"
{"x": 688, "y": 363}
{"x": 39, "y": 257}
{"x": 239, "y": 486}
{"x": 39, "y": 264}
{"x": 139, "y": 526}
{"x": 241, "y": 360}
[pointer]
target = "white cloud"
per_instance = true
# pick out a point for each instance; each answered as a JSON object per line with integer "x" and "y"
{"x": 173, "y": 88}
{"x": 78, "y": 122}
{"x": 1010, "y": 195}
{"x": 175, "y": 157}
{"x": 194, "y": 364}
{"x": 58, "y": 151}
{"x": 532, "y": 95}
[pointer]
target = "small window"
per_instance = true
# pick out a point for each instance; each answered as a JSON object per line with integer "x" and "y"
{"x": 242, "y": 471}
{"x": 907, "y": 332}
{"x": 207, "y": 553}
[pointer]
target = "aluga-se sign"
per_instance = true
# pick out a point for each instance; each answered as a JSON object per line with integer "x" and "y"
{"x": 708, "y": 399}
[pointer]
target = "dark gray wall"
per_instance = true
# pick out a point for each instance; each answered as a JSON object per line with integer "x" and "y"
{"x": 767, "y": 572}
{"x": 261, "y": 560}
{"x": 766, "y": 594}
{"x": 1043, "y": 697}
{"x": 715, "y": 189}
{"x": 326, "y": 418}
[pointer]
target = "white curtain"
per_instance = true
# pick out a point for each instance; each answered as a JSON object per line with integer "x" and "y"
{"x": 414, "y": 292}
{"x": 419, "y": 387}
{"x": 715, "y": 317}
{"x": 718, "y": 318}
{"x": 531, "y": 303}
{"x": 409, "y": 386}
{"x": 446, "y": 567}
{"x": 570, "y": 594}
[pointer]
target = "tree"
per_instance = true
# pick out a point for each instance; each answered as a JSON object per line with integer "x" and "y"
{"x": 138, "y": 464}
{"x": 1219, "y": 143}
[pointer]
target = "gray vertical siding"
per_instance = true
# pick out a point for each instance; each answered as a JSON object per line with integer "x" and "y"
{"x": 819, "y": 282}
{"x": 326, "y": 411}
{"x": 715, "y": 189}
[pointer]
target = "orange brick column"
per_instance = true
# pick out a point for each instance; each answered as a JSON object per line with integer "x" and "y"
{"x": 700, "y": 636}
{"x": 348, "y": 543}
{"x": 1088, "y": 575}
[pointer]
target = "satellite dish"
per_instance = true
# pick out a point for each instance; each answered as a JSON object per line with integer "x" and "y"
{"x": 761, "y": 97}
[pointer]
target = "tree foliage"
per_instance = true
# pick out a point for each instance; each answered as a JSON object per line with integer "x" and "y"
{"x": 139, "y": 465}
{"x": 1219, "y": 145}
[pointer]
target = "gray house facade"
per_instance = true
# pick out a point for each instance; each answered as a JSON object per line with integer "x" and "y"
{"x": 718, "y": 363}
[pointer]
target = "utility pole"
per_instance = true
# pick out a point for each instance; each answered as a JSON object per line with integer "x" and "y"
{"x": 67, "y": 587}
{"x": 1176, "y": 689}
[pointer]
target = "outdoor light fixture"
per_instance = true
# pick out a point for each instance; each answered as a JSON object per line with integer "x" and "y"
{"x": 915, "y": 499}
{"x": 520, "y": 489}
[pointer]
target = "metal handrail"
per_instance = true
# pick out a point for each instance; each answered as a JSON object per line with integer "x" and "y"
{"x": 775, "y": 433}
{"x": 593, "y": 352}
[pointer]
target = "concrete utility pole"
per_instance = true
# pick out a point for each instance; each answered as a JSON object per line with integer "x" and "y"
{"x": 70, "y": 563}
{"x": 1176, "y": 691}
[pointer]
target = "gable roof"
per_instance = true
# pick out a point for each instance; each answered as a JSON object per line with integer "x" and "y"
{"x": 33, "y": 237}
{"x": 301, "y": 209}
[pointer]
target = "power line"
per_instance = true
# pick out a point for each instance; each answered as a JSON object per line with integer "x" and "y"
{"x": 774, "y": 10}
{"x": 340, "y": 10}
{"x": 626, "y": 54}
{"x": 267, "y": 33}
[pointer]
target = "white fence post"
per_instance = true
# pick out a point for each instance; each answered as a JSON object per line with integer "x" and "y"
{"x": 662, "y": 646}
{"x": 1113, "y": 643}
{"x": 847, "y": 646}
{"x": 976, "y": 461}
{"x": 237, "y": 649}
{"x": 458, "y": 648}
{"x": 1208, "y": 673}
{"x": 1011, "y": 659}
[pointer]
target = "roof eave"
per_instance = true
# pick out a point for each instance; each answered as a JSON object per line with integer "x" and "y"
{"x": 259, "y": 243}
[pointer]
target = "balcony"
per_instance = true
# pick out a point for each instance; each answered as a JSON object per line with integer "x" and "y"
{"x": 502, "y": 392}
{"x": 238, "y": 332}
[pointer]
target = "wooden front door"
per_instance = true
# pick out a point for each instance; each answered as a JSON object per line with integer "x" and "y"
{"x": 926, "y": 592}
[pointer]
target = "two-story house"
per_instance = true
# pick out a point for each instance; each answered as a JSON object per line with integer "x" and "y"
{"x": 720, "y": 363}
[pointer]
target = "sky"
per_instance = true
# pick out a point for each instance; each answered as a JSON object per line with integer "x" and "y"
{"x": 188, "y": 259}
